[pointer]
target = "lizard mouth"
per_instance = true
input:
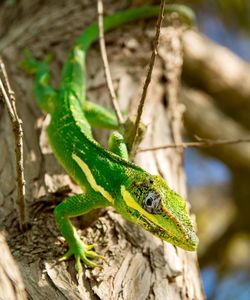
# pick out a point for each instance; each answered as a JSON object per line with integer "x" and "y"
{"x": 187, "y": 242}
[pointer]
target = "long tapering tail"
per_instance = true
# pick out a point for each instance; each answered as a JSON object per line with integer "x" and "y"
{"x": 73, "y": 76}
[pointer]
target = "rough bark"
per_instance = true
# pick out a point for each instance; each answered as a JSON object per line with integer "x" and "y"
{"x": 11, "y": 285}
{"x": 137, "y": 265}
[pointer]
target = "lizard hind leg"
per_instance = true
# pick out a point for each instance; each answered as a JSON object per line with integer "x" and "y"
{"x": 45, "y": 93}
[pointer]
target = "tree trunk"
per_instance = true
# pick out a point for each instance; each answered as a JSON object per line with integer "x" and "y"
{"x": 11, "y": 285}
{"x": 137, "y": 265}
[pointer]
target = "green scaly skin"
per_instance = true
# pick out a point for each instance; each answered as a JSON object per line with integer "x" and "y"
{"x": 106, "y": 176}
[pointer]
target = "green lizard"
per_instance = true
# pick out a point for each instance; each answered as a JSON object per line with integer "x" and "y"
{"x": 106, "y": 176}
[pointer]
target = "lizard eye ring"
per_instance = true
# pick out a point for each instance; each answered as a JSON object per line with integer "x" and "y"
{"x": 152, "y": 203}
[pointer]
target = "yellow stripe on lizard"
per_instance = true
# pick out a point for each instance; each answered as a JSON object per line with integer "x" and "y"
{"x": 130, "y": 201}
{"x": 91, "y": 179}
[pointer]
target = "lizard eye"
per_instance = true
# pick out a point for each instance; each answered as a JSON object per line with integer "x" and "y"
{"x": 152, "y": 203}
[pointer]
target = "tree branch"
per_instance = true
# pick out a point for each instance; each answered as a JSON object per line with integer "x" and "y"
{"x": 148, "y": 77}
{"x": 219, "y": 72}
{"x": 8, "y": 98}
{"x": 203, "y": 118}
{"x": 201, "y": 144}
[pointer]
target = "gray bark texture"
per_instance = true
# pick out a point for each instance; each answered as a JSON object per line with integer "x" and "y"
{"x": 11, "y": 284}
{"x": 137, "y": 265}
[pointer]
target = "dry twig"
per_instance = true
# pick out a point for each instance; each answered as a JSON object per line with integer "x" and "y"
{"x": 8, "y": 97}
{"x": 106, "y": 64}
{"x": 200, "y": 144}
{"x": 149, "y": 74}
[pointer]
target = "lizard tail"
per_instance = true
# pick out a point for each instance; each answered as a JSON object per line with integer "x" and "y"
{"x": 91, "y": 33}
{"x": 74, "y": 68}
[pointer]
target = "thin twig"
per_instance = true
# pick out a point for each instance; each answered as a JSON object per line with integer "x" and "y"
{"x": 7, "y": 94}
{"x": 106, "y": 64}
{"x": 201, "y": 144}
{"x": 149, "y": 73}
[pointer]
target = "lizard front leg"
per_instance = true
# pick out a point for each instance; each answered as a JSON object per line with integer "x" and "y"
{"x": 75, "y": 206}
{"x": 100, "y": 117}
{"x": 117, "y": 145}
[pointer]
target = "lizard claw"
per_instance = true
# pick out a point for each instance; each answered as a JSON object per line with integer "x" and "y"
{"x": 90, "y": 247}
{"x": 82, "y": 253}
{"x": 66, "y": 256}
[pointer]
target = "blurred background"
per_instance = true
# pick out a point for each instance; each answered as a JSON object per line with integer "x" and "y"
{"x": 219, "y": 184}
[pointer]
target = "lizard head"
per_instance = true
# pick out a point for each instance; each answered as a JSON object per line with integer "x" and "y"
{"x": 150, "y": 203}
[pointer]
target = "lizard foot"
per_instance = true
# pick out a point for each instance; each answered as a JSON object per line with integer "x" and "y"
{"x": 32, "y": 65}
{"x": 82, "y": 253}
